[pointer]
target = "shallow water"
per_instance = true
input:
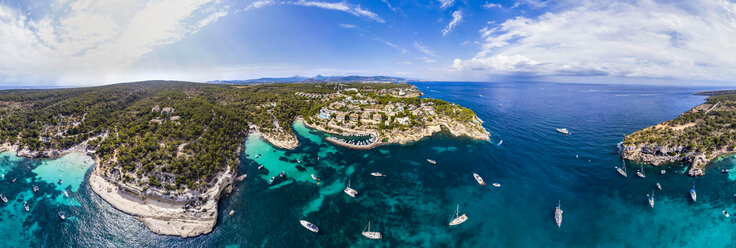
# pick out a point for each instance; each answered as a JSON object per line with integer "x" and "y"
{"x": 413, "y": 204}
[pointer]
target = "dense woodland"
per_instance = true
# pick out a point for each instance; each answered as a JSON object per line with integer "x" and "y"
{"x": 703, "y": 133}
{"x": 162, "y": 134}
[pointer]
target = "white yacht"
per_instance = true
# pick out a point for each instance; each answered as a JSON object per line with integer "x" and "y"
{"x": 431, "y": 161}
{"x": 5, "y": 199}
{"x": 309, "y": 226}
{"x": 693, "y": 195}
{"x": 563, "y": 130}
{"x": 62, "y": 216}
{"x": 377, "y": 174}
{"x": 558, "y": 214}
{"x": 350, "y": 191}
{"x": 659, "y": 186}
{"x": 651, "y": 199}
{"x": 640, "y": 173}
{"x": 725, "y": 214}
{"x": 458, "y": 219}
{"x": 479, "y": 179}
{"x": 371, "y": 235}
{"x": 25, "y": 205}
{"x": 496, "y": 185}
{"x": 622, "y": 170}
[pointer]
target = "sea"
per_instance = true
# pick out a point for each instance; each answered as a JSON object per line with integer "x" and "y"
{"x": 537, "y": 168}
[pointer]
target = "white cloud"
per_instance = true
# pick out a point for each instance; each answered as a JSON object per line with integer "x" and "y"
{"x": 348, "y": 26}
{"x": 457, "y": 17}
{"x": 489, "y": 5}
{"x": 94, "y": 38}
{"x": 424, "y": 49}
{"x": 259, "y": 4}
{"x": 404, "y": 63}
{"x": 355, "y": 10}
{"x": 691, "y": 40}
{"x": 394, "y": 46}
{"x": 427, "y": 59}
{"x": 392, "y": 8}
{"x": 446, "y": 3}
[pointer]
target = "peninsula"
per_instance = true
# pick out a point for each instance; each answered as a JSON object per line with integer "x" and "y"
{"x": 167, "y": 151}
{"x": 695, "y": 137}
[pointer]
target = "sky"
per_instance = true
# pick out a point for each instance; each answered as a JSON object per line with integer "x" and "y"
{"x": 89, "y": 42}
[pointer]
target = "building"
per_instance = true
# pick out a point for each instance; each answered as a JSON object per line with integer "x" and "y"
{"x": 325, "y": 113}
{"x": 365, "y": 115}
{"x": 402, "y": 120}
{"x": 337, "y": 105}
{"x": 377, "y": 117}
{"x": 340, "y": 116}
{"x": 354, "y": 117}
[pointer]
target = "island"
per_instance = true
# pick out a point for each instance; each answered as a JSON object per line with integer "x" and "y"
{"x": 697, "y": 136}
{"x": 167, "y": 151}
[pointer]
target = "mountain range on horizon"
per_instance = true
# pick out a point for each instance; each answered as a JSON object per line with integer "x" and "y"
{"x": 315, "y": 79}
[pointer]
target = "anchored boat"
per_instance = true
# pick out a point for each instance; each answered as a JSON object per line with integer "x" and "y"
{"x": 622, "y": 170}
{"x": 309, "y": 226}
{"x": 640, "y": 173}
{"x": 377, "y": 174}
{"x": 25, "y": 205}
{"x": 693, "y": 195}
{"x": 350, "y": 191}
{"x": 563, "y": 130}
{"x": 458, "y": 219}
{"x": 659, "y": 187}
{"x": 5, "y": 199}
{"x": 479, "y": 179}
{"x": 496, "y": 185}
{"x": 725, "y": 213}
{"x": 371, "y": 235}
{"x": 62, "y": 216}
{"x": 431, "y": 161}
{"x": 558, "y": 214}
{"x": 662, "y": 172}
{"x": 651, "y": 199}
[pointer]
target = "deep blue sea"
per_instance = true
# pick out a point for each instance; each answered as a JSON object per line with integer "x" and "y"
{"x": 536, "y": 167}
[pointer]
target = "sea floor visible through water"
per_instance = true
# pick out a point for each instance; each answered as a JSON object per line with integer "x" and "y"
{"x": 412, "y": 205}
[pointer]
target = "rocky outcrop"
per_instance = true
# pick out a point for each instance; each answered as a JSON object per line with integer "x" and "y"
{"x": 659, "y": 155}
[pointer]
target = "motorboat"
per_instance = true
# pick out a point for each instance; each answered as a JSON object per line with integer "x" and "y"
{"x": 25, "y": 205}
{"x": 562, "y": 130}
{"x": 66, "y": 193}
{"x": 315, "y": 177}
{"x": 431, "y": 161}
{"x": 659, "y": 186}
{"x": 282, "y": 174}
{"x": 650, "y": 198}
{"x": 309, "y": 226}
{"x": 725, "y": 214}
{"x": 724, "y": 171}
{"x": 377, "y": 174}
{"x": 62, "y": 216}
{"x": 260, "y": 167}
{"x": 662, "y": 172}
{"x": 479, "y": 179}
{"x": 693, "y": 195}
{"x": 496, "y": 185}
{"x": 35, "y": 188}
{"x": 271, "y": 181}
{"x": 5, "y": 199}
{"x": 458, "y": 219}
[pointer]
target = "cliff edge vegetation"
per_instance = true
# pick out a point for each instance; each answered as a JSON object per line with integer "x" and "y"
{"x": 696, "y": 136}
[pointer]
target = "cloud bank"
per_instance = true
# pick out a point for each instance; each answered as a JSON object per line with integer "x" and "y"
{"x": 689, "y": 40}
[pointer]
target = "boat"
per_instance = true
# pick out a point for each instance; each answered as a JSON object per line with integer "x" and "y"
{"x": 479, "y": 179}
{"x": 725, "y": 214}
{"x": 563, "y": 130}
{"x": 651, "y": 199}
{"x": 309, "y": 226}
{"x": 640, "y": 172}
{"x": 350, "y": 191}
{"x": 62, "y": 216}
{"x": 500, "y": 142}
{"x": 496, "y": 185}
{"x": 3, "y": 176}
{"x": 35, "y": 188}
{"x": 558, "y": 214}
{"x": 377, "y": 174}
{"x": 298, "y": 161}
{"x": 282, "y": 174}
{"x": 622, "y": 169}
{"x": 659, "y": 187}
{"x": 371, "y": 235}
{"x": 724, "y": 171}
{"x": 66, "y": 193}
{"x": 662, "y": 172}
{"x": 315, "y": 177}
{"x": 431, "y": 161}
{"x": 13, "y": 180}
{"x": 458, "y": 219}
{"x": 693, "y": 195}
{"x": 25, "y": 205}
{"x": 260, "y": 167}
{"x": 60, "y": 181}
{"x": 271, "y": 181}
{"x": 576, "y": 156}
{"x": 232, "y": 212}
{"x": 5, "y": 199}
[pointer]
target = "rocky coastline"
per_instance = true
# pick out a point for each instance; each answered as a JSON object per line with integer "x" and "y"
{"x": 660, "y": 155}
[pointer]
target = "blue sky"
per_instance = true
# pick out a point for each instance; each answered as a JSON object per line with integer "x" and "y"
{"x": 78, "y": 42}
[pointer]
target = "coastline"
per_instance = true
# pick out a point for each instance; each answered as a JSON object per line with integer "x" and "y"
{"x": 282, "y": 139}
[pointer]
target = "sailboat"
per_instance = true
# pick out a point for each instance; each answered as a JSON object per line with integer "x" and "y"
{"x": 350, "y": 191}
{"x": 651, "y": 199}
{"x": 371, "y": 235}
{"x": 558, "y": 214}
{"x": 640, "y": 173}
{"x": 622, "y": 169}
{"x": 309, "y": 226}
{"x": 693, "y": 195}
{"x": 479, "y": 179}
{"x": 458, "y": 219}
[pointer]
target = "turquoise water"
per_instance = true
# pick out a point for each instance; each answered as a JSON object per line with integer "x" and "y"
{"x": 412, "y": 205}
